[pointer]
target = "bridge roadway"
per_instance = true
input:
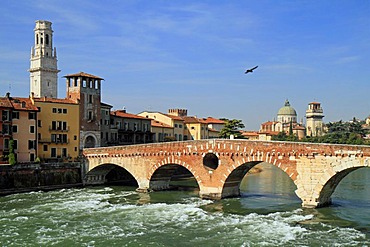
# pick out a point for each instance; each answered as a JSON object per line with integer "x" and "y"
{"x": 219, "y": 165}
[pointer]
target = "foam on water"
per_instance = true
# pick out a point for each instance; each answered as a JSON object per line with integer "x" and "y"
{"x": 103, "y": 217}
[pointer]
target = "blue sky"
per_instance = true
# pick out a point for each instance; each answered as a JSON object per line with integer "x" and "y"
{"x": 156, "y": 55}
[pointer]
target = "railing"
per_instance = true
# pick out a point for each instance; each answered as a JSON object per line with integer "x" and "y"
{"x": 48, "y": 140}
{"x": 59, "y": 129}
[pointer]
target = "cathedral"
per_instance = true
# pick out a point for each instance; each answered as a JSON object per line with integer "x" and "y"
{"x": 287, "y": 122}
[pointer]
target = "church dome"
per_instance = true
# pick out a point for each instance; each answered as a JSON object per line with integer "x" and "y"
{"x": 287, "y": 110}
{"x": 287, "y": 114}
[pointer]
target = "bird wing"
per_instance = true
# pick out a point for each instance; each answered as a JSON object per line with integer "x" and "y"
{"x": 254, "y": 68}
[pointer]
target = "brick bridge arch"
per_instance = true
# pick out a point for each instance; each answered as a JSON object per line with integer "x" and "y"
{"x": 316, "y": 169}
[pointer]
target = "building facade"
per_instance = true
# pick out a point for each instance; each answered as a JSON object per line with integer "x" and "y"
{"x": 131, "y": 128}
{"x": 85, "y": 89}
{"x": 43, "y": 64}
{"x": 6, "y": 110}
{"x": 24, "y": 129}
{"x": 58, "y": 129}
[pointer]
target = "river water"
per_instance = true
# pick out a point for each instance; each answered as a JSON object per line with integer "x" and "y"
{"x": 267, "y": 214}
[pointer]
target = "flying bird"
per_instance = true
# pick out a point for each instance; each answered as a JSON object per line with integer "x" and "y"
{"x": 250, "y": 70}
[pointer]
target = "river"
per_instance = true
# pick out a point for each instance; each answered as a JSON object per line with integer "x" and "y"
{"x": 267, "y": 214}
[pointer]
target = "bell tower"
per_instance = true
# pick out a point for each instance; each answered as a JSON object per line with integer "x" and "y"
{"x": 314, "y": 122}
{"x": 43, "y": 68}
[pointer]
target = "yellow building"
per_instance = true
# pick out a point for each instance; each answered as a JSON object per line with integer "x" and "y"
{"x": 196, "y": 129}
{"x": 183, "y": 126}
{"x": 58, "y": 129}
{"x": 161, "y": 131}
{"x": 174, "y": 121}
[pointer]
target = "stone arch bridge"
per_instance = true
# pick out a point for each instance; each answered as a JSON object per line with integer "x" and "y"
{"x": 219, "y": 165}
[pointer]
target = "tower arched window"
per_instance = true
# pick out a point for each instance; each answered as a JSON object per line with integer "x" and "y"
{"x": 47, "y": 39}
{"x": 37, "y": 39}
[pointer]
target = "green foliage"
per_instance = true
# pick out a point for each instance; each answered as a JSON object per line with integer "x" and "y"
{"x": 232, "y": 127}
{"x": 11, "y": 157}
{"x": 342, "y": 133}
{"x": 282, "y": 136}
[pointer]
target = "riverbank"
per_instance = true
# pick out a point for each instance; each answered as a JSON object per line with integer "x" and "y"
{"x": 23, "y": 178}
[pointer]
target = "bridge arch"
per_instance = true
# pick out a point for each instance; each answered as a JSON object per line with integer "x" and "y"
{"x": 161, "y": 177}
{"x": 110, "y": 174}
{"x": 332, "y": 178}
{"x": 231, "y": 186}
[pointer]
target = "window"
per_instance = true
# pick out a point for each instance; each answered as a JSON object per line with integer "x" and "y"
{"x": 6, "y": 116}
{"x": 64, "y": 111}
{"x": 15, "y": 128}
{"x": 31, "y": 144}
{"x": 45, "y": 148}
{"x": 15, "y": 115}
{"x": 75, "y": 149}
{"x": 59, "y": 110}
{"x": 192, "y": 127}
{"x": 54, "y": 110}
{"x": 32, "y": 157}
{"x": 6, "y": 143}
{"x": 32, "y": 129}
{"x": 39, "y": 123}
{"x": 90, "y": 98}
{"x": 90, "y": 115}
{"x": 175, "y": 125}
{"x": 75, "y": 137}
{"x": 6, "y": 129}
{"x": 64, "y": 152}
{"x": 32, "y": 115}
{"x": 180, "y": 126}
{"x": 53, "y": 153}
{"x": 15, "y": 144}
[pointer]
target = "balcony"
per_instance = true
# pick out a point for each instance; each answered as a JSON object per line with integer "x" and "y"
{"x": 57, "y": 141}
{"x": 56, "y": 129}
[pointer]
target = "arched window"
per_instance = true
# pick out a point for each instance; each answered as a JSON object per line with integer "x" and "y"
{"x": 37, "y": 39}
{"x": 47, "y": 39}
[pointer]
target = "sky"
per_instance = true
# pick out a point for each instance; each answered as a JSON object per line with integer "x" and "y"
{"x": 157, "y": 55}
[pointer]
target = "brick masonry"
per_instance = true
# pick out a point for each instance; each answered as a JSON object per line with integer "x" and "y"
{"x": 316, "y": 169}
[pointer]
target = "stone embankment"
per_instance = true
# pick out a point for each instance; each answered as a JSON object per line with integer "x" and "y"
{"x": 34, "y": 177}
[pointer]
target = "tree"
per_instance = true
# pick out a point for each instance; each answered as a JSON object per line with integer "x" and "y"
{"x": 11, "y": 157}
{"x": 232, "y": 127}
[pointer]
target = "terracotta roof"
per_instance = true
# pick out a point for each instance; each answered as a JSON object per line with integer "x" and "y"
{"x": 5, "y": 102}
{"x": 123, "y": 114}
{"x": 24, "y": 104}
{"x": 193, "y": 120}
{"x": 213, "y": 120}
{"x": 174, "y": 117}
{"x": 55, "y": 100}
{"x": 249, "y": 133}
{"x": 269, "y": 123}
{"x": 298, "y": 127}
{"x": 156, "y": 123}
{"x": 83, "y": 74}
{"x": 272, "y": 133}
